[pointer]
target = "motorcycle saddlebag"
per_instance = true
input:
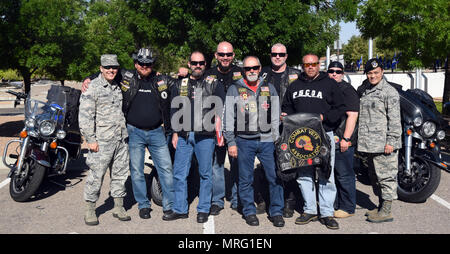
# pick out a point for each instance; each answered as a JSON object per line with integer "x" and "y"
{"x": 70, "y": 97}
{"x": 303, "y": 143}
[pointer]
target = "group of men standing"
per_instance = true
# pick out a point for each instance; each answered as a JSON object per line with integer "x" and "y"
{"x": 138, "y": 109}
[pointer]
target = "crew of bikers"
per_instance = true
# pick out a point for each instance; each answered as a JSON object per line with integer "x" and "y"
{"x": 123, "y": 112}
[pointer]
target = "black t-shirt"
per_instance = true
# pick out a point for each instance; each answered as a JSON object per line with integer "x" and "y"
{"x": 277, "y": 80}
{"x": 350, "y": 96}
{"x": 144, "y": 110}
{"x": 320, "y": 96}
{"x": 226, "y": 79}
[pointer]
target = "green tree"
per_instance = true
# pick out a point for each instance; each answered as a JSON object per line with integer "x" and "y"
{"x": 41, "y": 34}
{"x": 419, "y": 29}
{"x": 181, "y": 26}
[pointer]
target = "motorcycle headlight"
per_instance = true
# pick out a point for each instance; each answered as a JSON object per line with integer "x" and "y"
{"x": 30, "y": 123}
{"x": 418, "y": 121}
{"x": 440, "y": 135}
{"x": 60, "y": 134}
{"x": 46, "y": 128}
{"x": 428, "y": 129}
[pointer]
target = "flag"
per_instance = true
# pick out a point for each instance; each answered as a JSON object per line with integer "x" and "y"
{"x": 394, "y": 61}
{"x": 359, "y": 62}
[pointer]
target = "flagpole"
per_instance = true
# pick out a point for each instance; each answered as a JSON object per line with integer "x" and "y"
{"x": 370, "y": 48}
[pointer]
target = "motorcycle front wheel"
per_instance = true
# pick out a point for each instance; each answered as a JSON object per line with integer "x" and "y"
{"x": 156, "y": 191}
{"x": 420, "y": 184}
{"x": 24, "y": 185}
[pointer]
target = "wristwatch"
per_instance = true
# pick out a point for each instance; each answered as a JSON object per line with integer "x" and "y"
{"x": 346, "y": 139}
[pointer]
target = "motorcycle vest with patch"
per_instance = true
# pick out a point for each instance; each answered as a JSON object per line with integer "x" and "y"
{"x": 303, "y": 143}
{"x": 251, "y": 107}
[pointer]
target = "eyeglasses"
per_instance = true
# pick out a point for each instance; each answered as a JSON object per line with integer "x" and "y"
{"x": 310, "y": 64}
{"x": 110, "y": 67}
{"x": 195, "y": 63}
{"x": 278, "y": 54}
{"x": 221, "y": 54}
{"x": 249, "y": 68}
{"x": 337, "y": 71}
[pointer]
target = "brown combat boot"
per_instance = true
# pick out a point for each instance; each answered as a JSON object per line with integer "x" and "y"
{"x": 90, "y": 218}
{"x": 384, "y": 214}
{"x": 119, "y": 211}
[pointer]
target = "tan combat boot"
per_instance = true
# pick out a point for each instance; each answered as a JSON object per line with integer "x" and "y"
{"x": 384, "y": 214}
{"x": 372, "y": 212}
{"x": 119, "y": 211}
{"x": 90, "y": 218}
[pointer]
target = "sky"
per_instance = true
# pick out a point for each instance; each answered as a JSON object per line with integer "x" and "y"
{"x": 347, "y": 31}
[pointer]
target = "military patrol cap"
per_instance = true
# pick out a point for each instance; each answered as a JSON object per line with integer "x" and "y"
{"x": 145, "y": 55}
{"x": 336, "y": 64}
{"x": 372, "y": 64}
{"x": 109, "y": 60}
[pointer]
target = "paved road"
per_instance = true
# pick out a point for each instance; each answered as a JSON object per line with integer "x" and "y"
{"x": 59, "y": 210}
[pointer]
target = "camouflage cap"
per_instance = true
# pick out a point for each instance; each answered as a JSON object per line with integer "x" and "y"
{"x": 109, "y": 60}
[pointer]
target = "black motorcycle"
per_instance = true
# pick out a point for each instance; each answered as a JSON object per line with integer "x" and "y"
{"x": 48, "y": 140}
{"x": 420, "y": 159}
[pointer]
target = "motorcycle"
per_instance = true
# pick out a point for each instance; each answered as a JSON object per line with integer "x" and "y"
{"x": 47, "y": 142}
{"x": 420, "y": 159}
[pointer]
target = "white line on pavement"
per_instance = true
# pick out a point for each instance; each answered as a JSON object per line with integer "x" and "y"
{"x": 208, "y": 227}
{"x": 5, "y": 182}
{"x": 440, "y": 201}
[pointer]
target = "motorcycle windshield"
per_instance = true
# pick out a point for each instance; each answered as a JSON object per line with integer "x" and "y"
{"x": 41, "y": 111}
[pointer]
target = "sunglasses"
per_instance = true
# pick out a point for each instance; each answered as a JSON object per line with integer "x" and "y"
{"x": 145, "y": 64}
{"x": 221, "y": 54}
{"x": 310, "y": 64}
{"x": 278, "y": 54}
{"x": 249, "y": 68}
{"x": 337, "y": 71}
{"x": 110, "y": 67}
{"x": 195, "y": 63}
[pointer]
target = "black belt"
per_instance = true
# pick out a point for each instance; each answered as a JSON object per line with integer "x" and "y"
{"x": 146, "y": 128}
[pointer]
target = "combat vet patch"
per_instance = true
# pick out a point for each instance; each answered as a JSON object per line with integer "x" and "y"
{"x": 293, "y": 77}
{"x": 237, "y": 75}
{"x": 210, "y": 79}
{"x": 184, "y": 87}
{"x": 161, "y": 85}
{"x": 264, "y": 91}
{"x": 243, "y": 93}
{"x": 304, "y": 143}
{"x": 124, "y": 85}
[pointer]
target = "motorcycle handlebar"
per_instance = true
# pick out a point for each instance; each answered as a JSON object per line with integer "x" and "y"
{"x": 19, "y": 95}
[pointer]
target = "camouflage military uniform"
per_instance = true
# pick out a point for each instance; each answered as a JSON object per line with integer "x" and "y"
{"x": 101, "y": 120}
{"x": 380, "y": 124}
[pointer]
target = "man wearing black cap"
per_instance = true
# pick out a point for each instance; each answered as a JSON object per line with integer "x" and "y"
{"x": 345, "y": 139}
{"x": 146, "y": 102}
{"x": 379, "y": 137}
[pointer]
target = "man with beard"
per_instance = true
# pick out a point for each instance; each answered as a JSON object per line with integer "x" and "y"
{"x": 281, "y": 76}
{"x": 315, "y": 92}
{"x": 194, "y": 134}
{"x": 146, "y": 108}
{"x": 251, "y": 125}
{"x": 225, "y": 72}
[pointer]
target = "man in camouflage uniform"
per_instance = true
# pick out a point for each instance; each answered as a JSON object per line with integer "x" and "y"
{"x": 379, "y": 137}
{"x": 102, "y": 124}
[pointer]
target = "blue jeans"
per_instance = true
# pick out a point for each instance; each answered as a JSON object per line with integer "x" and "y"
{"x": 345, "y": 180}
{"x": 203, "y": 146}
{"x": 247, "y": 151}
{"x": 218, "y": 190}
{"x": 155, "y": 142}
{"x": 327, "y": 188}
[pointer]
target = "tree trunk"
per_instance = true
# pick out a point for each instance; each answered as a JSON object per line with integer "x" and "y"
{"x": 62, "y": 82}
{"x": 26, "y": 75}
{"x": 446, "y": 95}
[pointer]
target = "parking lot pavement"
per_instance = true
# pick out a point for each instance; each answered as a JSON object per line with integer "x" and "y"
{"x": 59, "y": 210}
